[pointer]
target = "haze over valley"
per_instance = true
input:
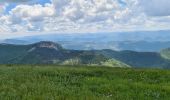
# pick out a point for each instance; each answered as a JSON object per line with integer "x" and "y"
{"x": 144, "y": 41}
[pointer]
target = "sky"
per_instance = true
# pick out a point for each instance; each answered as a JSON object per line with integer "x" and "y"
{"x": 32, "y": 17}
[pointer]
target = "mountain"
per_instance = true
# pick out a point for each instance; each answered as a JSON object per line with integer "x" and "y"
{"x": 141, "y": 41}
{"x": 150, "y": 36}
{"x": 142, "y": 46}
{"x": 47, "y": 52}
{"x": 15, "y": 41}
{"x": 165, "y": 53}
{"x": 138, "y": 59}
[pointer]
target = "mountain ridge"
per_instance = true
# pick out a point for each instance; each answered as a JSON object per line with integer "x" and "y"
{"x": 47, "y": 52}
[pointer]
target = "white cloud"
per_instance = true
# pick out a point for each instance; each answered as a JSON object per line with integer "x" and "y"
{"x": 86, "y": 16}
{"x": 27, "y": 17}
{"x": 64, "y": 15}
{"x": 32, "y": 13}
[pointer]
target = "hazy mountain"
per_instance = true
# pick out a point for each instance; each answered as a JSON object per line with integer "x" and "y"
{"x": 15, "y": 41}
{"x": 150, "y": 36}
{"x": 142, "y": 46}
{"x": 144, "y": 41}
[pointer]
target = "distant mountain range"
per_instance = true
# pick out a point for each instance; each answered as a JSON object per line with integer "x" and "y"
{"x": 47, "y": 52}
{"x": 143, "y": 41}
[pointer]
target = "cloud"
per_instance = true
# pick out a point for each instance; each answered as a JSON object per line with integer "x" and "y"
{"x": 85, "y": 16}
{"x": 32, "y": 13}
{"x": 155, "y": 7}
{"x": 26, "y": 17}
{"x": 65, "y": 15}
{"x": 89, "y": 10}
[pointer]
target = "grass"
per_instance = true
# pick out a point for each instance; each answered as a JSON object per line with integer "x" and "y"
{"x": 82, "y": 83}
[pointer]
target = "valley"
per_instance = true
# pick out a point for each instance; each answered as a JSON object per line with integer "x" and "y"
{"x": 140, "y": 41}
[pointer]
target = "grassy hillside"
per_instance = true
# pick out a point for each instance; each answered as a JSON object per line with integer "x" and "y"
{"x": 138, "y": 59}
{"x": 165, "y": 53}
{"x": 77, "y": 83}
{"x": 11, "y": 53}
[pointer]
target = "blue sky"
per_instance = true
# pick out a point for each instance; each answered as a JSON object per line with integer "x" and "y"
{"x": 32, "y": 17}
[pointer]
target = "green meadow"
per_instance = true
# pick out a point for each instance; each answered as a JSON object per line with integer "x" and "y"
{"x": 49, "y": 82}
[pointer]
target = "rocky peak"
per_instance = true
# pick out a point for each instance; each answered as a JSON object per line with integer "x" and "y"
{"x": 47, "y": 44}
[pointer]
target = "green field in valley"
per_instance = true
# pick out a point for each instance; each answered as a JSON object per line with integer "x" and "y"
{"x": 31, "y": 82}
